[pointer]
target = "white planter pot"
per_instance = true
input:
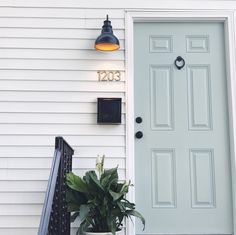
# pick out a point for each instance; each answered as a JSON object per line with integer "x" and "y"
{"x": 109, "y": 233}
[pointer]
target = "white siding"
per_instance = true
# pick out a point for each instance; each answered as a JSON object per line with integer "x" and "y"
{"x": 48, "y": 87}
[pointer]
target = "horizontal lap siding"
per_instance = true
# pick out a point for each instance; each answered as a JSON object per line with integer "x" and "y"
{"x": 49, "y": 87}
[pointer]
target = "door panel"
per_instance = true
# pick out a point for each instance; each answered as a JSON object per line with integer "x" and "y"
{"x": 199, "y": 97}
{"x": 163, "y": 178}
{"x": 202, "y": 178}
{"x": 161, "y": 87}
{"x": 182, "y": 163}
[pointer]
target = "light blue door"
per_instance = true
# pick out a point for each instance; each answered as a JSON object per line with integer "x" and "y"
{"x": 182, "y": 162}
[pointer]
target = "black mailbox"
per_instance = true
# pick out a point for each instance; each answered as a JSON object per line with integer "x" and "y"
{"x": 109, "y": 110}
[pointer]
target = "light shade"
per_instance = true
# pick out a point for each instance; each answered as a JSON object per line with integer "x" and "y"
{"x": 107, "y": 41}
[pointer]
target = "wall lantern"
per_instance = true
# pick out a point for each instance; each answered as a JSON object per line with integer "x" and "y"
{"x": 107, "y": 41}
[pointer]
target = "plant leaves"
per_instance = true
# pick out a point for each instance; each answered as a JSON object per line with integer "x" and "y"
{"x": 74, "y": 200}
{"x": 84, "y": 211}
{"x": 125, "y": 187}
{"x": 122, "y": 206}
{"x": 128, "y": 204}
{"x": 115, "y": 195}
{"x": 136, "y": 214}
{"x": 105, "y": 180}
{"x": 113, "y": 229}
{"x": 112, "y": 173}
{"x": 93, "y": 182}
{"x": 73, "y": 196}
{"x": 111, "y": 222}
{"x": 100, "y": 203}
{"x": 72, "y": 207}
{"x": 76, "y": 183}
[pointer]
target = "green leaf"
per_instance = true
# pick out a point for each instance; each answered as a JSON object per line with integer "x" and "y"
{"x": 111, "y": 222}
{"x": 113, "y": 229}
{"x": 71, "y": 207}
{"x": 125, "y": 187}
{"x": 75, "y": 196}
{"x": 112, "y": 173}
{"x": 115, "y": 195}
{"x": 136, "y": 214}
{"x": 128, "y": 204}
{"x": 105, "y": 181}
{"x": 120, "y": 218}
{"x": 76, "y": 183}
{"x": 93, "y": 182}
{"x": 119, "y": 187}
{"x": 74, "y": 200}
{"x": 84, "y": 211}
{"x": 122, "y": 206}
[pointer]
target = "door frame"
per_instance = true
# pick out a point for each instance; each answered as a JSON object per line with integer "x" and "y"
{"x": 227, "y": 17}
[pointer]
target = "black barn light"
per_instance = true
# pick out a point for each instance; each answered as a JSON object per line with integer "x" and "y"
{"x": 107, "y": 41}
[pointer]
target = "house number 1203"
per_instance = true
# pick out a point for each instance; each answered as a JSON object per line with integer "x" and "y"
{"x": 109, "y": 76}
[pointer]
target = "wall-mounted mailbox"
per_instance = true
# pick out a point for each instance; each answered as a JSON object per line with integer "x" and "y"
{"x": 109, "y": 110}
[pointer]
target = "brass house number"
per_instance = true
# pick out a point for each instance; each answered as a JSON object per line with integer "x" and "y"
{"x": 109, "y": 76}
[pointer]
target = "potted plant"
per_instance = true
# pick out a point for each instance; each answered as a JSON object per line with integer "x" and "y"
{"x": 99, "y": 201}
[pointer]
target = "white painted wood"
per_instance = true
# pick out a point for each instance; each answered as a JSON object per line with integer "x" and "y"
{"x": 52, "y": 119}
{"x": 26, "y": 231}
{"x": 51, "y": 75}
{"x": 47, "y": 43}
{"x": 20, "y": 221}
{"x": 61, "y": 86}
{"x": 60, "y": 129}
{"x": 64, "y": 54}
{"x": 26, "y": 221}
{"x": 48, "y": 107}
{"x": 20, "y": 210}
{"x": 38, "y": 96}
{"x": 38, "y": 174}
{"x": 49, "y": 84}
{"x": 22, "y": 198}
{"x": 45, "y": 151}
{"x": 22, "y": 225}
{"x": 64, "y": 86}
{"x": 130, "y": 112}
{"x": 48, "y": 140}
{"x": 77, "y": 13}
{"x": 23, "y": 186}
{"x": 60, "y": 65}
{"x": 13, "y": 231}
{"x": 45, "y": 163}
{"x": 57, "y": 23}
{"x": 228, "y": 18}
{"x": 62, "y": 33}
{"x": 191, "y": 4}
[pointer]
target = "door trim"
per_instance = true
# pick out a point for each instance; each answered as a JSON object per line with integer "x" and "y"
{"x": 227, "y": 17}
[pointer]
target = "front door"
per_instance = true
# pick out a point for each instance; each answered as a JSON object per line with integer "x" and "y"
{"x": 182, "y": 156}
